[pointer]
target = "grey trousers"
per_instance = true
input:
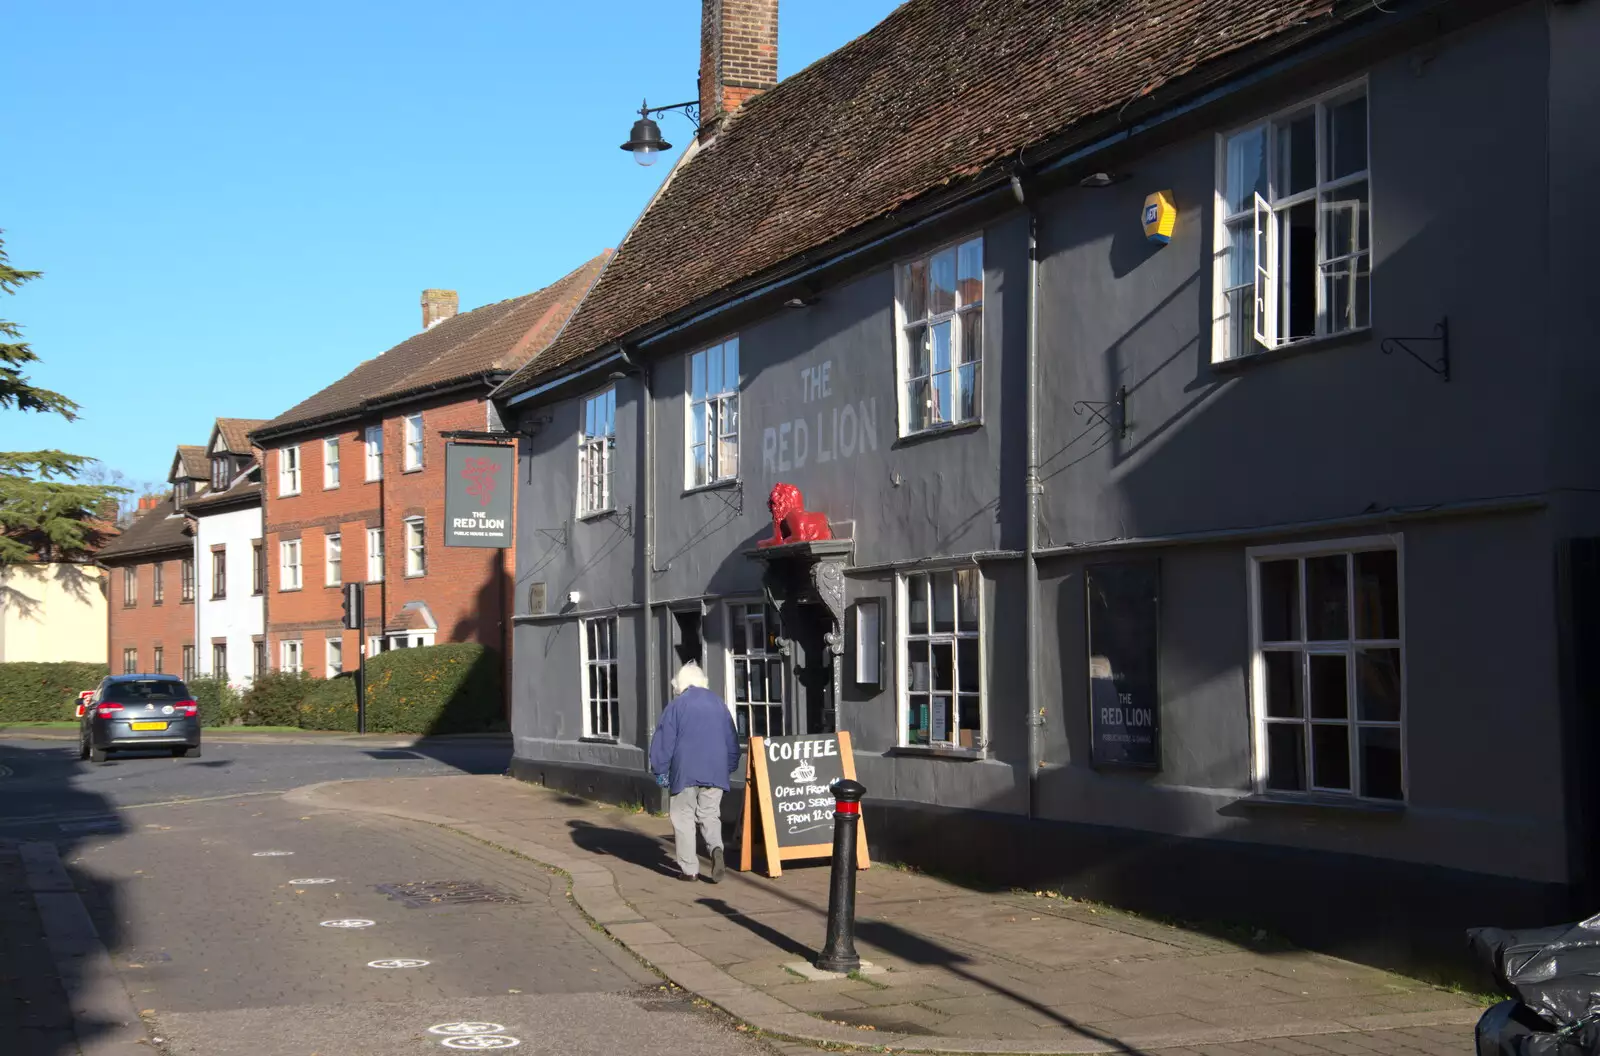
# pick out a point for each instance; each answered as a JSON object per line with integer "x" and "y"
{"x": 689, "y": 806}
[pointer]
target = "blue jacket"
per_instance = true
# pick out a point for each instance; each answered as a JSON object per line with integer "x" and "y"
{"x": 695, "y": 744}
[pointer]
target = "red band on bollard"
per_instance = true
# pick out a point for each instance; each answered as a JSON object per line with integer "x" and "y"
{"x": 847, "y": 808}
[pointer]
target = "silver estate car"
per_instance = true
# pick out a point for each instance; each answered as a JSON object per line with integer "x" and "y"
{"x": 138, "y": 712}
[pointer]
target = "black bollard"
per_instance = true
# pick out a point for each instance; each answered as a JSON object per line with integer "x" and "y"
{"x": 839, "y": 949}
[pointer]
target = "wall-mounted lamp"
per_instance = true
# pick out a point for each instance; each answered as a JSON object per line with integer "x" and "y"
{"x": 573, "y": 597}
{"x": 645, "y": 142}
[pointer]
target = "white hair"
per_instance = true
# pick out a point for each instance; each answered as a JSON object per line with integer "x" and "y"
{"x": 689, "y": 675}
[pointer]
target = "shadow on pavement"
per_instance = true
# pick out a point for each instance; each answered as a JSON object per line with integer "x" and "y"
{"x": 39, "y": 804}
{"x": 635, "y": 848}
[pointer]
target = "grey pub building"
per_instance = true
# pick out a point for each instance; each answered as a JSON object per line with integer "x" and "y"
{"x": 1186, "y": 413}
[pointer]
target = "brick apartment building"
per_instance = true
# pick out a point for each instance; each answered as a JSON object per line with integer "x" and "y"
{"x": 152, "y": 586}
{"x": 354, "y": 486}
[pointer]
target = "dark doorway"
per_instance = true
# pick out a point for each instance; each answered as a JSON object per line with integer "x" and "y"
{"x": 688, "y": 644}
{"x": 807, "y": 625}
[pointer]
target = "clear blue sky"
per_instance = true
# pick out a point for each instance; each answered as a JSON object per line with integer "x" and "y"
{"x": 234, "y": 204}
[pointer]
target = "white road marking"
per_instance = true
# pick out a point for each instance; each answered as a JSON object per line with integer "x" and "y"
{"x": 399, "y": 962}
{"x": 272, "y": 854}
{"x": 481, "y": 1041}
{"x": 304, "y": 880}
{"x": 467, "y": 1027}
{"x": 6, "y": 771}
{"x": 348, "y": 922}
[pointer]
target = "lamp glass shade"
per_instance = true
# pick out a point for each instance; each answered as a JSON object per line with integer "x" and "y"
{"x": 646, "y": 155}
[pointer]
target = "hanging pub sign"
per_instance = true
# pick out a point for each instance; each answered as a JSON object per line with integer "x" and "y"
{"x": 1124, "y": 602}
{"x": 478, "y": 488}
{"x": 787, "y": 796}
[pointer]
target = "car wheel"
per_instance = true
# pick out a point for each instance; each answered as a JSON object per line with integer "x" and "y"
{"x": 191, "y": 753}
{"x": 98, "y": 755}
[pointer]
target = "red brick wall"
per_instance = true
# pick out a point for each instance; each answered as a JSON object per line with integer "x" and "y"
{"x": 147, "y": 625}
{"x": 466, "y": 589}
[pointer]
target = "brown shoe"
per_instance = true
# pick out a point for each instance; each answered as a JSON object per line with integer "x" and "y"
{"x": 688, "y": 878}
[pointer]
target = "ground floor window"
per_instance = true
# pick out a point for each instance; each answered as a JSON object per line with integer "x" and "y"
{"x": 219, "y": 660}
{"x": 755, "y": 671}
{"x": 1328, "y": 685}
{"x": 335, "y": 661}
{"x": 601, "y": 695}
{"x": 158, "y": 663}
{"x": 188, "y": 663}
{"x": 941, "y": 635}
{"x": 130, "y": 661}
{"x": 291, "y": 655}
{"x": 259, "y": 667}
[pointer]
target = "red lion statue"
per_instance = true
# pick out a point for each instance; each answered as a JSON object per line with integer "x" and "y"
{"x": 791, "y": 523}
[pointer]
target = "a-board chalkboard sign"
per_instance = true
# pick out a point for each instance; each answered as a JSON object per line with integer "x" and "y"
{"x": 786, "y": 793}
{"x": 1124, "y": 608}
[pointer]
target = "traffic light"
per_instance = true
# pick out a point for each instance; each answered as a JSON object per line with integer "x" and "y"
{"x": 354, "y": 607}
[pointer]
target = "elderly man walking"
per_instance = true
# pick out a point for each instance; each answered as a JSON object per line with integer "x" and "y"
{"x": 694, "y": 750}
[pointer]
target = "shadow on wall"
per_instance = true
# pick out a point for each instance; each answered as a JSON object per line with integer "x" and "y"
{"x": 35, "y": 1002}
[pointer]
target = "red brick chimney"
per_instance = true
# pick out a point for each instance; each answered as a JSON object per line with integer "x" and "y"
{"x": 738, "y": 55}
{"x": 437, "y": 306}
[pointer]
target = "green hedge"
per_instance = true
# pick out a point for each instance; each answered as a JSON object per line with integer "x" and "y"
{"x": 219, "y": 702}
{"x": 330, "y": 704}
{"x": 440, "y": 689}
{"x": 34, "y": 692}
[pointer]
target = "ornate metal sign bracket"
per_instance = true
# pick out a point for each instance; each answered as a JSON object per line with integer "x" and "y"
{"x": 1113, "y": 415}
{"x": 1441, "y": 336}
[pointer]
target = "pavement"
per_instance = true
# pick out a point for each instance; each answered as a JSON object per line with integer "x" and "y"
{"x": 957, "y": 970}
{"x": 148, "y": 906}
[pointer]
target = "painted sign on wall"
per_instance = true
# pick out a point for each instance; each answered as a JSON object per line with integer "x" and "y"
{"x": 478, "y": 488}
{"x": 1124, "y": 603}
{"x": 829, "y": 430}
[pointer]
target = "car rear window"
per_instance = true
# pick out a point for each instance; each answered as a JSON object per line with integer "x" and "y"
{"x": 137, "y": 691}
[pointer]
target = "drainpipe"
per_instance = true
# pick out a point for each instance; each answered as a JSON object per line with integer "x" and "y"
{"x": 1033, "y": 490}
{"x": 648, "y": 527}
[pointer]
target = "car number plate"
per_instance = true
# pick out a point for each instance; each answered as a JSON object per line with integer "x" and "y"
{"x": 148, "y": 725}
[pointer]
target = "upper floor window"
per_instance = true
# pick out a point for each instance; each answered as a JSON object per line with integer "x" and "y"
{"x": 289, "y": 470}
{"x": 258, "y": 569}
{"x": 219, "y": 574}
{"x": 330, "y": 462}
{"x": 713, "y": 435}
{"x": 595, "y": 447}
{"x": 130, "y": 587}
{"x": 1328, "y": 677}
{"x": 1294, "y": 252}
{"x": 220, "y": 472}
{"x": 289, "y": 564}
{"x": 374, "y": 555}
{"x": 416, "y": 547}
{"x": 374, "y": 442}
{"x": 939, "y": 305}
{"x": 186, "y": 578}
{"x": 412, "y": 457}
{"x": 334, "y": 553}
{"x": 158, "y": 583}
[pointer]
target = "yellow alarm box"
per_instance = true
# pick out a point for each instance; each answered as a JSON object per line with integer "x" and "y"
{"x": 1160, "y": 216}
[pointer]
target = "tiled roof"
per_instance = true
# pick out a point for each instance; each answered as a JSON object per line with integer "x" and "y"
{"x": 195, "y": 461}
{"x": 937, "y": 93}
{"x": 242, "y": 492}
{"x": 497, "y": 337}
{"x": 235, "y": 433}
{"x": 155, "y": 530}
